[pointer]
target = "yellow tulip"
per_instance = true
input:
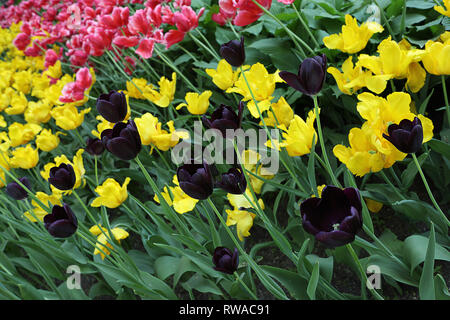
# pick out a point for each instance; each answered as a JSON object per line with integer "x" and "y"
{"x": 46, "y": 141}
{"x": 444, "y": 11}
{"x": 22, "y": 133}
{"x": 353, "y": 38}
{"x": 24, "y": 157}
{"x": 223, "y": 77}
{"x": 67, "y": 116}
{"x": 111, "y": 193}
{"x": 103, "y": 245}
{"x": 196, "y": 104}
{"x": 180, "y": 201}
{"x": 299, "y": 137}
{"x": 436, "y": 58}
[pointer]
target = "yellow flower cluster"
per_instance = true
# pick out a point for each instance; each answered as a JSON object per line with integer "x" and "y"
{"x": 151, "y": 132}
{"x": 111, "y": 193}
{"x": 369, "y": 151}
{"x": 243, "y": 219}
{"x": 30, "y": 90}
{"x": 353, "y": 38}
{"x": 394, "y": 60}
{"x": 103, "y": 245}
{"x": 138, "y": 88}
{"x": 262, "y": 85}
{"x": 176, "y": 198}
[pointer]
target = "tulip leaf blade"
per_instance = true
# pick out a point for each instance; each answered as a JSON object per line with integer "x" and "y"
{"x": 313, "y": 281}
{"x": 426, "y": 284}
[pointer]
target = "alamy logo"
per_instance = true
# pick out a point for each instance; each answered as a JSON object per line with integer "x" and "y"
{"x": 74, "y": 280}
{"x": 374, "y": 280}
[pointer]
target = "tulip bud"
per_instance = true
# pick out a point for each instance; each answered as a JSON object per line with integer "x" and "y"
{"x": 62, "y": 177}
{"x": 15, "y": 191}
{"x": 122, "y": 140}
{"x": 310, "y": 77}
{"x": 407, "y": 136}
{"x": 112, "y": 106}
{"x": 233, "y": 181}
{"x": 62, "y": 222}
{"x": 335, "y": 218}
{"x": 233, "y": 52}
{"x": 195, "y": 180}
{"x": 94, "y": 146}
{"x": 225, "y": 261}
{"x": 224, "y": 118}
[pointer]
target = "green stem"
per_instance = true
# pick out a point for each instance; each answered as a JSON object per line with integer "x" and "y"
{"x": 289, "y": 32}
{"x": 388, "y": 26}
{"x": 361, "y": 270}
{"x": 430, "y": 194}
{"x": 386, "y": 179}
{"x": 268, "y": 132}
{"x": 254, "y": 297}
{"x": 447, "y": 107}
{"x": 168, "y": 209}
{"x": 279, "y": 294}
{"x": 305, "y": 25}
{"x": 322, "y": 145}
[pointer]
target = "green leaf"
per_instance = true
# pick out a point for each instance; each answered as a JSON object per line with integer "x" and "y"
{"x": 440, "y": 147}
{"x": 325, "y": 265}
{"x": 390, "y": 268}
{"x": 441, "y": 288}
{"x": 292, "y": 281}
{"x": 201, "y": 284}
{"x": 312, "y": 284}
{"x": 166, "y": 266}
{"x": 415, "y": 248}
{"x": 426, "y": 284}
{"x": 420, "y": 4}
{"x": 419, "y": 210}
{"x": 411, "y": 171}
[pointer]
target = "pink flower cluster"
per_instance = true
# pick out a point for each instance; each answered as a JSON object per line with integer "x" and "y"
{"x": 90, "y": 27}
{"x": 74, "y": 91}
{"x": 240, "y": 12}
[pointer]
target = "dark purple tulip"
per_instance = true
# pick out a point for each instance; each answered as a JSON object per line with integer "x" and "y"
{"x": 62, "y": 222}
{"x": 224, "y": 118}
{"x": 112, "y": 106}
{"x": 233, "y": 52}
{"x": 310, "y": 77}
{"x": 94, "y": 146}
{"x": 122, "y": 140}
{"x": 225, "y": 261}
{"x": 335, "y": 218}
{"x": 15, "y": 191}
{"x": 62, "y": 177}
{"x": 407, "y": 136}
{"x": 233, "y": 181}
{"x": 196, "y": 180}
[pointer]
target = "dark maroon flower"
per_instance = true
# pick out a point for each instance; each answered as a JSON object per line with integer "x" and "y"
{"x": 112, "y": 106}
{"x": 62, "y": 222}
{"x": 335, "y": 218}
{"x": 233, "y": 52}
{"x": 407, "y": 136}
{"x": 15, "y": 190}
{"x": 233, "y": 181}
{"x": 122, "y": 140}
{"x": 225, "y": 261}
{"x": 62, "y": 177}
{"x": 310, "y": 77}
{"x": 94, "y": 146}
{"x": 196, "y": 180}
{"x": 224, "y": 118}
